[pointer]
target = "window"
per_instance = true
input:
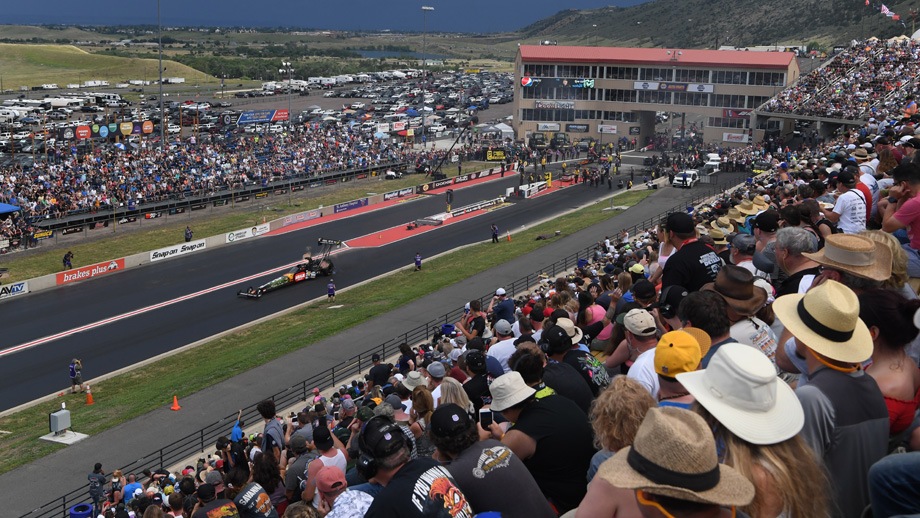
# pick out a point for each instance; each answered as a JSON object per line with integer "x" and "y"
{"x": 767, "y": 79}
{"x": 686, "y": 75}
{"x": 620, "y": 116}
{"x": 654, "y": 97}
{"x": 754, "y": 101}
{"x": 728, "y": 101}
{"x": 622, "y": 96}
{"x": 630, "y": 73}
{"x": 531, "y": 69}
{"x": 691, "y": 98}
{"x": 728, "y": 77}
{"x": 723, "y": 122}
{"x": 576, "y": 71}
{"x": 547, "y": 115}
{"x": 586, "y": 114}
{"x": 655, "y": 74}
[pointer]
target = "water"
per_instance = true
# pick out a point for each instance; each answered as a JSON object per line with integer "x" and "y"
{"x": 377, "y": 54}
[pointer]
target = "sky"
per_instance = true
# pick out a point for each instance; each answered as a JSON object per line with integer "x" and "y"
{"x": 399, "y": 15}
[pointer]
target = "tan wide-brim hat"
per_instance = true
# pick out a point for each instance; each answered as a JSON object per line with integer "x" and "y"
{"x": 856, "y": 254}
{"x": 826, "y": 319}
{"x": 747, "y": 207}
{"x": 674, "y": 455}
{"x": 724, "y": 224}
{"x": 760, "y": 204}
{"x": 735, "y": 215}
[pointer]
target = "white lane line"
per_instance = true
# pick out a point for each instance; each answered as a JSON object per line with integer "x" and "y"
{"x": 139, "y": 311}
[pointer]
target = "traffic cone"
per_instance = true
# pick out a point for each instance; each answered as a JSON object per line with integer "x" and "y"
{"x": 509, "y": 236}
{"x": 89, "y": 397}
{"x": 175, "y": 406}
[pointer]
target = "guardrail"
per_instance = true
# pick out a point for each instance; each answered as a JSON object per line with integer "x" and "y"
{"x": 204, "y": 439}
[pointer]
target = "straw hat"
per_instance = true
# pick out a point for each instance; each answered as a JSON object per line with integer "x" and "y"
{"x": 735, "y": 215}
{"x": 747, "y": 207}
{"x": 855, "y": 254}
{"x": 760, "y": 203}
{"x": 826, "y": 319}
{"x": 508, "y": 390}
{"x": 674, "y": 455}
{"x": 740, "y": 389}
{"x": 722, "y": 223}
{"x": 736, "y": 285}
{"x": 718, "y": 237}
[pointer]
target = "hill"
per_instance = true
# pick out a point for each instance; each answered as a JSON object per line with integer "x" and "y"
{"x": 708, "y": 24}
{"x": 32, "y": 65}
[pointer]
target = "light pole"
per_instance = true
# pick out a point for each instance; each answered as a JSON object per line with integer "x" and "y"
{"x": 425, "y": 10}
{"x": 160, "y": 47}
{"x": 594, "y": 26}
{"x": 286, "y": 69}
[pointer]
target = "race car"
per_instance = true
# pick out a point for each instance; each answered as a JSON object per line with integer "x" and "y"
{"x": 310, "y": 268}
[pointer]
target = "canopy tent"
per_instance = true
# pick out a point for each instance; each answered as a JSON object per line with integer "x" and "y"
{"x": 503, "y": 130}
{"x": 6, "y": 208}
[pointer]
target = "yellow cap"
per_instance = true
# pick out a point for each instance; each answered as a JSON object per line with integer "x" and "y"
{"x": 677, "y": 352}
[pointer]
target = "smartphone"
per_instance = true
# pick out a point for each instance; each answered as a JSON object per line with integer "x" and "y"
{"x": 485, "y": 418}
{"x": 335, "y": 415}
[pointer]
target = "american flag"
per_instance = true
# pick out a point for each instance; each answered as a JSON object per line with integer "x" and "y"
{"x": 886, "y": 11}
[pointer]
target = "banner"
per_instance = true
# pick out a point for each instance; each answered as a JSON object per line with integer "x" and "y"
{"x": 579, "y": 128}
{"x": 177, "y": 250}
{"x": 300, "y": 217}
{"x": 735, "y": 114}
{"x": 72, "y": 230}
{"x": 383, "y": 127}
{"x": 43, "y": 234}
{"x": 555, "y": 105}
{"x": 90, "y": 272}
{"x": 246, "y": 233}
{"x": 495, "y": 155}
{"x": 257, "y": 116}
{"x": 609, "y": 129}
{"x": 398, "y": 194}
{"x": 547, "y": 126}
{"x": 735, "y": 138}
{"x": 349, "y": 205}
{"x": 12, "y": 290}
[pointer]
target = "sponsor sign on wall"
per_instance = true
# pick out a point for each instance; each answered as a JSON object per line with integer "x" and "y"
{"x": 257, "y": 116}
{"x": 547, "y": 126}
{"x": 735, "y": 114}
{"x": 735, "y": 138}
{"x": 12, "y": 290}
{"x": 555, "y": 105}
{"x": 177, "y": 250}
{"x": 246, "y": 233}
{"x": 609, "y": 129}
{"x": 90, "y": 272}
{"x": 300, "y": 217}
{"x": 495, "y": 154}
{"x": 44, "y": 234}
{"x": 635, "y": 130}
{"x": 350, "y": 205}
{"x": 579, "y": 128}
{"x": 398, "y": 194}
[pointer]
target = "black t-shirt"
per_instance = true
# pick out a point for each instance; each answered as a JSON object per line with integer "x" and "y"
{"x": 567, "y": 382}
{"x": 694, "y": 265}
{"x": 220, "y": 508}
{"x": 477, "y": 389}
{"x": 565, "y": 445}
{"x": 421, "y": 489}
{"x": 725, "y": 255}
{"x": 591, "y": 370}
{"x": 477, "y": 326}
{"x": 379, "y": 374}
{"x": 791, "y": 284}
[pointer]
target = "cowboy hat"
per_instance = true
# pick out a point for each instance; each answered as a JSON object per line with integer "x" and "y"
{"x": 723, "y": 223}
{"x": 508, "y": 390}
{"x": 760, "y": 203}
{"x": 718, "y": 237}
{"x": 736, "y": 285}
{"x": 735, "y": 215}
{"x": 855, "y": 254}
{"x": 826, "y": 319}
{"x": 674, "y": 455}
{"x": 747, "y": 207}
{"x": 740, "y": 389}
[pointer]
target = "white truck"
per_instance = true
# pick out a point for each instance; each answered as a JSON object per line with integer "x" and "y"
{"x": 686, "y": 179}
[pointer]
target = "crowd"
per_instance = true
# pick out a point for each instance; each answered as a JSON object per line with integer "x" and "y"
{"x": 753, "y": 356}
{"x": 870, "y": 78}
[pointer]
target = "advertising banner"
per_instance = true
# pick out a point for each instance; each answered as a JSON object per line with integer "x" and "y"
{"x": 555, "y": 105}
{"x": 12, "y": 290}
{"x": 399, "y": 125}
{"x": 246, "y": 233}
{"x": 728, "y": 113}
{"x": 547, "y": 126}
{"x": 578, "y": 128}
{"x": 495, "y": 155}
{"x": 177, "y": 250}
{"x": 610, "y": 129}
{"x": 257, "y": 116}
{"x": 300, "y": 217}
{"x": 700, "y": 88}
{"x": 90, "y": 272}
{"x": 350, "y": 205}
{"x": 735, "y": 138}
{"x": 383, "y": 127}
{"x": 147, "y": 127}
{"x": 43, "y": 234}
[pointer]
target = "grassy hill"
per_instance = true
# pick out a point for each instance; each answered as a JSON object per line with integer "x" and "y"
{"x": 707, "y": 23}
{"x": 32, "y": 65}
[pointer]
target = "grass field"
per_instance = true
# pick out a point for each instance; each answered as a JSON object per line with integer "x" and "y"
{"x": 136, "y": 393}
{"x": 33, "y": 65}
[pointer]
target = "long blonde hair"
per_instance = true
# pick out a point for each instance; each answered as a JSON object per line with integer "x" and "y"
{"x": 788, "y": 463}
{"x": 452, "y": 392}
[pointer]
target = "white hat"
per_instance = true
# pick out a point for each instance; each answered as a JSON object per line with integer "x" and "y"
{"x": 500, "y": 292}
{"x": 508, "y": 390}
{"x": 413, "y": 379}
{"x": 740, "y": 388}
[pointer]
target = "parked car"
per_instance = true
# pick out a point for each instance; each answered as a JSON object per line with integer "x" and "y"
{"x": 686, "y": 178}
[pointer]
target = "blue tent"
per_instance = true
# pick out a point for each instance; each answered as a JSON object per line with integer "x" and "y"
{"x": 6, "y": 208}
{"x": 411, "y": 112}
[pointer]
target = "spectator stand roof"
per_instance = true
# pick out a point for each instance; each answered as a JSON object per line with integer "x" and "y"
{"x": 656, "y": 56}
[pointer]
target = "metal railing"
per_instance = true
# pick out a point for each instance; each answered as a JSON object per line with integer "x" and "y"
{"x": 205, "y": 438}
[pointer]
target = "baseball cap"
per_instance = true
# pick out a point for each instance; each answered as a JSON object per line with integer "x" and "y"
{"x": 846, "y": 178}
{"x": 206, "y": 492}
{"x": 330, "y": 479}
{"x": 298, "y": 443}
{"x": 503, "y": 327}
{"x": 348, "y": 404}
{"x": 450, "y": 420}
{"x": 455, "y": 355}
{"x": 745, "y": 244}
{"x": 322, "y": 438}
{"x": 436, "y": 370}
{"x": 644, "y": 289}
{"x": 636, "y": 268}
{"x": 375, "y": 357}
{"x": 677, "y": 352}
{"x": 640, "y": 322}
{"x": 767, "y": 221}
{"x": 912, "y": 142}
{"x": 499, "y": 292}
{"x": 365, "y": 414}
{"x": 394, "y": 401}
{"x": 476, "y": 361}
{"x": 680, "y": 222}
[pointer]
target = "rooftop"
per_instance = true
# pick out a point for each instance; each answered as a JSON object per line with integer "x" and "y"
{"x": 656, "y": 56}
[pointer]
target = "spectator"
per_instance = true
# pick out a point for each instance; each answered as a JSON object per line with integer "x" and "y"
{"x": 846, "y": 421}
{"x": 678, "y": 352}
{"x": 759, "y": 428}
{"x": 672, "y": 467}
{"x": 295, "y": 476}
{"x": 615, "y": 417}
{"x": 209, "y": 505}
{"x": 473, "y": 324}
{"x": 379, "y": 372}
{"x": 336, "y": 500}
{"x": 707, "y": 311}
{"x": 849, "y": 212}
{"x": 799, "y": 270}
{"x": 420, "y": 419}
{"x": 902, "y": 210}
{"x": 592, "y": 370}
{"x": 331, "y": 453}
{"x": 853, "y": 260}
{"x": 272, "y": 434}
{"x": 486, "y": 471}
{"x": 505, "y": 346}
{"x": 406, "y": 361}
{"x": 477, "y": 387}
{"x": 693, "y": 263}
{"x": 452, "y": 392}
{"x": 640, "y": 342}
{"x": 530, "y": 362}
{"x": 132, "y": 486}
{"x": 410, "y": 487}
{"x": 542, "y": 428}
{"x": 248, "y": 496}
{"x": 436, "y": 374}
{"x": 501, "y": 307}
{"x": 96, "y": 487}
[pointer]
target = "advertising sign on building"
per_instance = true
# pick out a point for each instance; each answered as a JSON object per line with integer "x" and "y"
{"x": 610, "y": 129}
{"x": 547, "y": 126}
{"x": 735, "y": 138}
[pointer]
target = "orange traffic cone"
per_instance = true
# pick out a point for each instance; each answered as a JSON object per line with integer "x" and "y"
{"x": 509, "y": 236}
{"x": 89, "y": 397}
{"x": 175, "y": 406}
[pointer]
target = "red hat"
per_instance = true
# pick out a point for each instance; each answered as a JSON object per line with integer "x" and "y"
{"x": 330, "y": 479}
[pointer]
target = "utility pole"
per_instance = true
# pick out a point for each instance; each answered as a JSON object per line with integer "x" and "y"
{"x": 160, "y": 46}
{"x": 286, "y": 69}
{"x": 425, "y": 10}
